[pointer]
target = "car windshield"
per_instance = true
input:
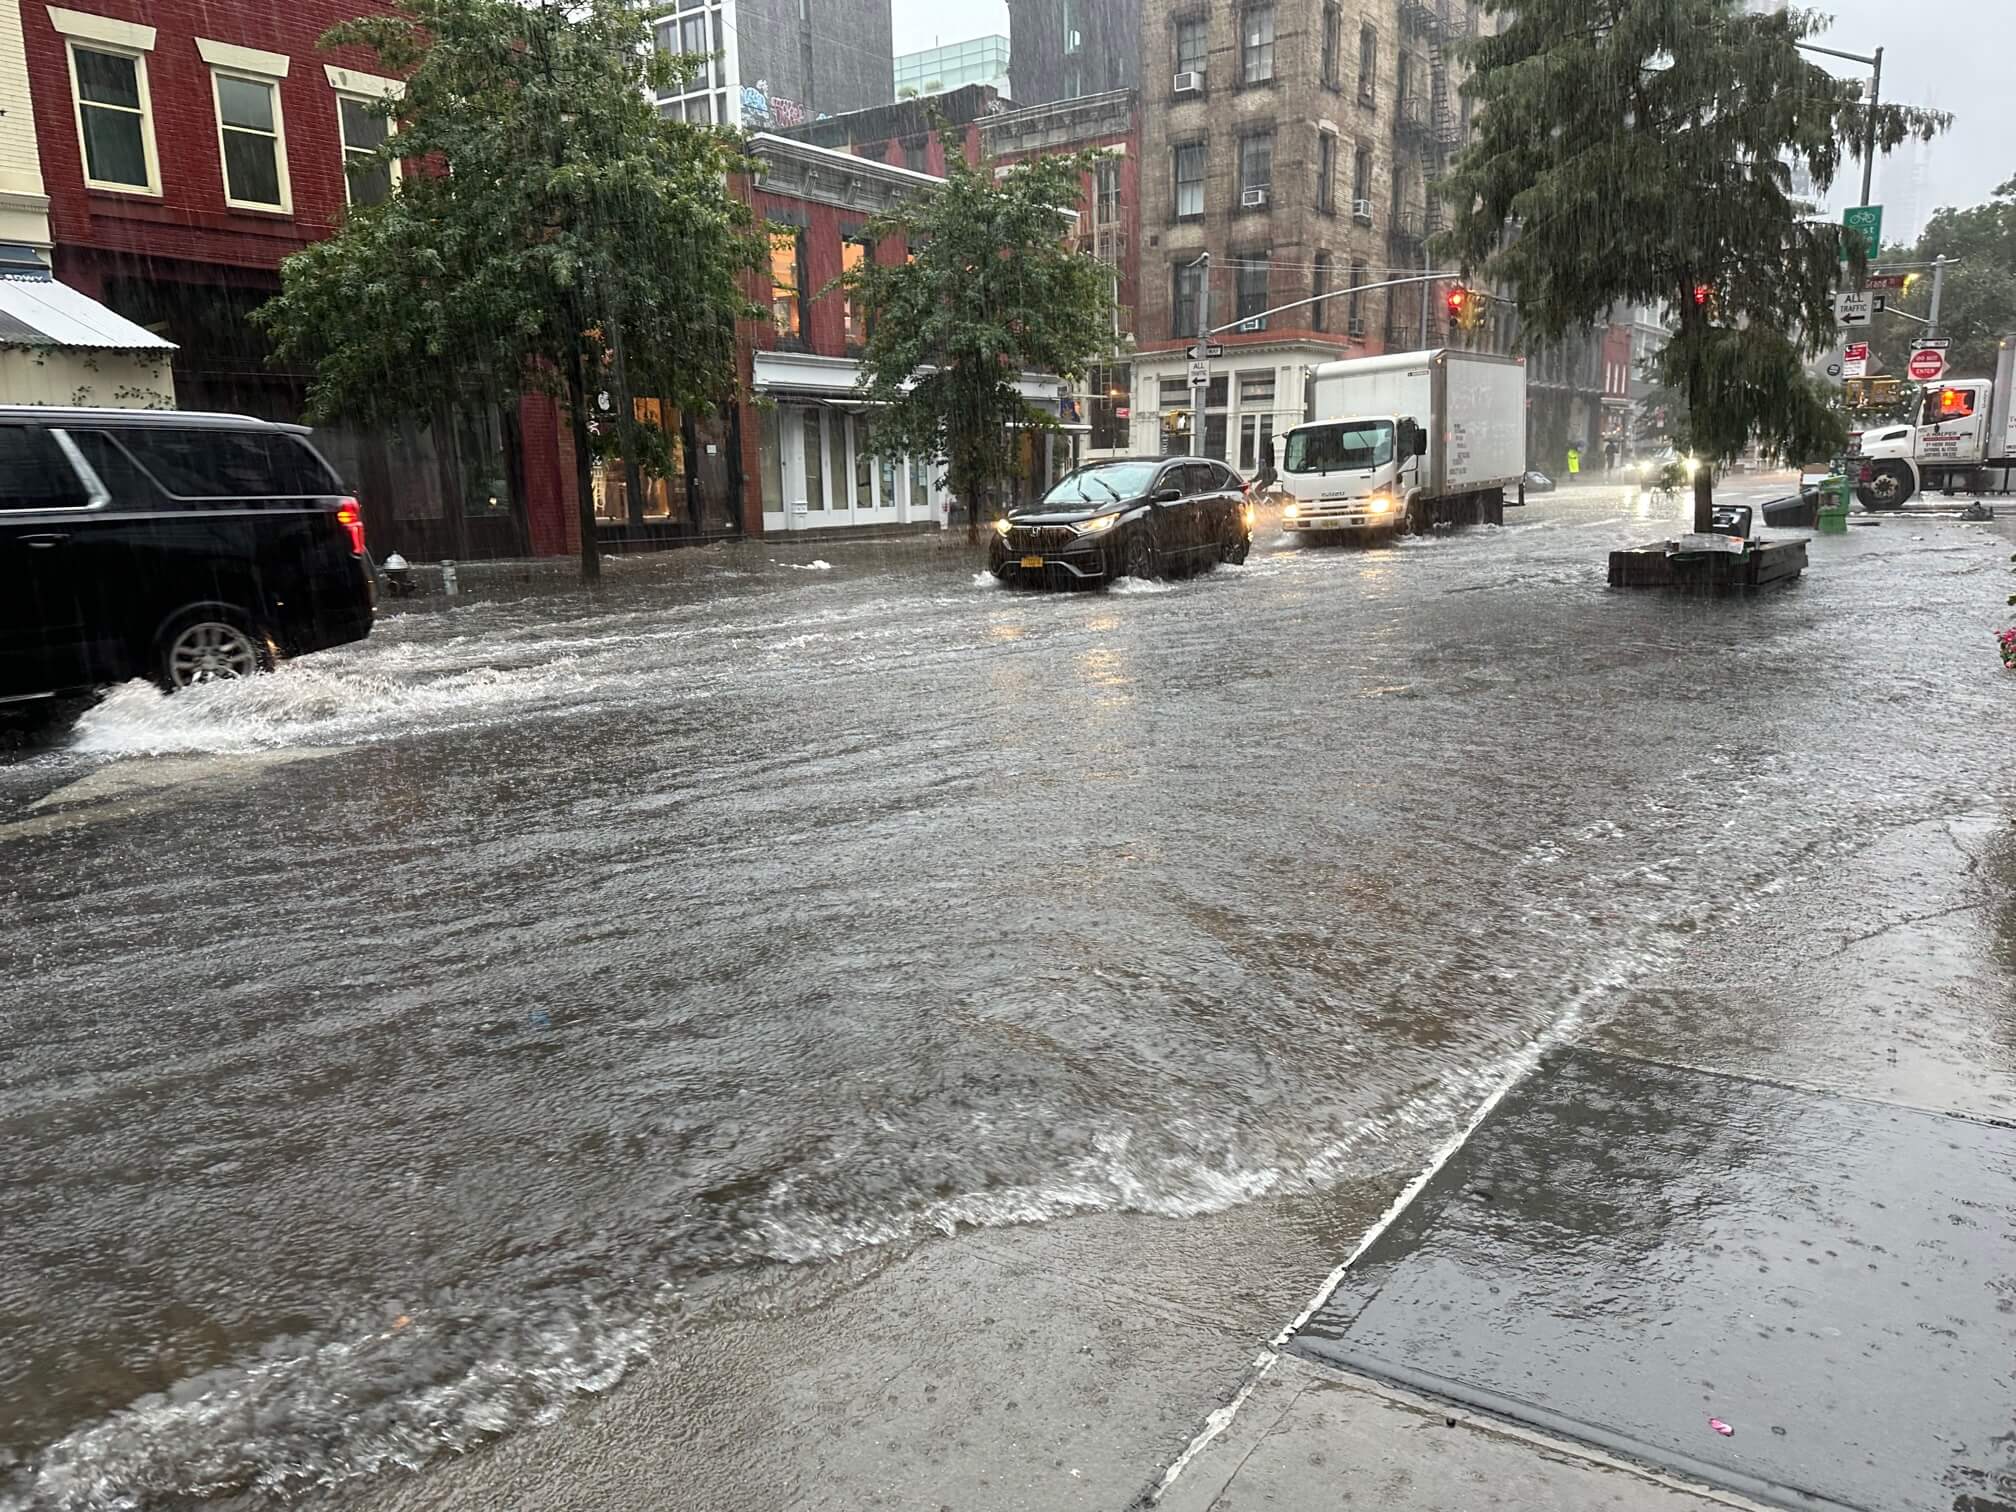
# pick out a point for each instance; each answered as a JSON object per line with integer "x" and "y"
{"x": 1339, "y": 448}
{"x": 1103, "y": 485}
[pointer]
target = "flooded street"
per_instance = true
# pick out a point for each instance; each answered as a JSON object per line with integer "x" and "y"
{"x": 407, "y": 1046}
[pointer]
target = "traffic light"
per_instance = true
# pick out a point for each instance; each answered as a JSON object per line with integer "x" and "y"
{"x": 1466, "y": 307}
{"x": 1701, "y": 293}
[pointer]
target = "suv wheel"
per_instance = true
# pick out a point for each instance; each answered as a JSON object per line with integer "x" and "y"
{"x": 211, "y": 645}
{"x": 1138, "y": 557}
{"x": 1234, "y": 549}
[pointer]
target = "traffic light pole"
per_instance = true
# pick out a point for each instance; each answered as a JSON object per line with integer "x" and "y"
{"x": 1344, "y": 293}
{"x": 1200, "y": 392}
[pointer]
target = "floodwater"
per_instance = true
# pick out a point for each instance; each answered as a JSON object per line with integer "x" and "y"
{"x": 398, "y": 1047}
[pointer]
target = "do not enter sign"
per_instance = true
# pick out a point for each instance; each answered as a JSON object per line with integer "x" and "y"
{"x": 1927, "y": 366}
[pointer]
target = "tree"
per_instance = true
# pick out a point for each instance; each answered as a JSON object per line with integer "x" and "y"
{"x": 993, "y": 288}
{"x": 1642, "y": 151}
{"x": 1977, "y": 302}
{"x": 549, "y": 227}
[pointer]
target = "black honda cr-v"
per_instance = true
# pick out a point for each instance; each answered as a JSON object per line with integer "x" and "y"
{"x": 179, "y": 547}
{"x": 1129, "y": 517}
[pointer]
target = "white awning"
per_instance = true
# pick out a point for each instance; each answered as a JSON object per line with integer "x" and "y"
{"x": 43, "y": 312}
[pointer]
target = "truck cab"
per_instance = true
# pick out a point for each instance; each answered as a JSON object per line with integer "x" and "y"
{"x": 1966, "y": 428}
{"x": 1351, "y": 475}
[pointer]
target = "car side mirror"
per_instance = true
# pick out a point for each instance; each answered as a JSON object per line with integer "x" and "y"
{"x": 1168, "y": 495}
{"x": 1420, "y": 443}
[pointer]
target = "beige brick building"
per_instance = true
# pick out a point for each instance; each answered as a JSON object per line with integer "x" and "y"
{"x": 1292, "y": 141}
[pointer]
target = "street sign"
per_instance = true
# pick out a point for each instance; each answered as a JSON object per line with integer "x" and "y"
{"x": 1865, "y": 223}
{"x": 1931, "y": 343}
{"x": 1888, "y": 280}
{"x": 1855, "y": 360}
{"x": 1200, "y": 374}
{"x": 1199, "y": 350}
{"x": 1927, "y": 365}
{"x": 1853, "y": 309}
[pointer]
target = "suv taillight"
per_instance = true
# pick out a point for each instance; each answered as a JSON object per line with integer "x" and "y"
{"x": 350, "y": 515}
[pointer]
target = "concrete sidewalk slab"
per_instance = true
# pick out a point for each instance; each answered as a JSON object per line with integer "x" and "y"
{"x": 1312, "y": 1439}
{"x": 1800, "y": 1297}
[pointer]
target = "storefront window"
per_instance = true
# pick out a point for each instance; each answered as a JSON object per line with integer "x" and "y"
{"x": 1111, "y": 392}
{"x": 920, "y": 488}
{"x": 815, "y": 471}
{"x": 887, "y": 467}
{"x": 770, "y": 454}
{"x": 864, "y": 474}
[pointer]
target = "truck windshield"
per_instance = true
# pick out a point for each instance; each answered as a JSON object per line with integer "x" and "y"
{"x": 1102, "y": 485}
{"x": 1339, "y": 448}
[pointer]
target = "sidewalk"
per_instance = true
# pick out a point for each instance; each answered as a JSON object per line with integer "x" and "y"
{"x": 1309, "y": 1438}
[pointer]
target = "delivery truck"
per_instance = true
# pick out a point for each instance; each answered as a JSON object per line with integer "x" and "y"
{"x": 1405, "y": 442}
{"x": 1965, "y": 438}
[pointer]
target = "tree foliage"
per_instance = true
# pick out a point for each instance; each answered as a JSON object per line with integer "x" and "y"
{"x": 1977, "y": 305}
{"x": 994, "y": 288}
{"x": 1639, "y": 151}
{"x": 546, "y": 216}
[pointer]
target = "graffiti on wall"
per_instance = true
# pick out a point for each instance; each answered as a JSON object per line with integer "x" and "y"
{"x": 760, "y": 108}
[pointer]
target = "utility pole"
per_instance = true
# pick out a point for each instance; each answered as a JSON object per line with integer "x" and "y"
{"x": 1199, "y": 392}
{"x": 1875, "y": 62}
{"x": 1938, "y": 288}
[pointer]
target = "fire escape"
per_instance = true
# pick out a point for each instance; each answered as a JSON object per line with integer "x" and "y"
{"x": 1427, "y": 131}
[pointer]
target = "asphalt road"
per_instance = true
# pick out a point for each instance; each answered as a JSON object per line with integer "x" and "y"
{"x": 825, "y": 1031}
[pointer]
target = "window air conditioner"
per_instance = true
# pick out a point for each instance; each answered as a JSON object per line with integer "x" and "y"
{"x": 1357, "y": 330}
{"x": 1251, "y": 198}
{"x": 1361, "y": 211}
{"x": 1191, "y": 82}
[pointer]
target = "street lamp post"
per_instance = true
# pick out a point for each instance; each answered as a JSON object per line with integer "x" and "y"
{"x": 1875, "y": 62}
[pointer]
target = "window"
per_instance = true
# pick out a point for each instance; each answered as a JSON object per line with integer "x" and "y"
{"x": 114, "y": 121}
{"x": 1403, "y": 82}
{"x": 34, "y": 472}
{"x": 1187, "y": 285}
{"x": 1251, "y": 290}
{"x": 251, "y": 134}
{"x": 1256, "y": 388}
{"x": 1357, "y": 299}
{"x": 213, "y": 463}
{"x": 1326, "y": 173}
{"x": 853, "y": 309}
{"x": 1110, "y": 393}
{"x": 365, "y": 127}
{"x": 1190, "y": 44}
{"x": 787, "y": 283}
{"x": 770, "y": 457}
{"x": 1256, "y": 163}
{"x": 1368, "y": 63}
{"x": 815, "y": 472}
{"x": 917, "y": 155}
{"x": 1189, "y": 172}
{"x": 1106, "y": 192}
{"x": 864, "y": 466}
{"x": 1256, "y": 440}
{"x": 1361, "y": 173}
{"x": 1257, "y": 44}
{"x": 1319, "y": 312}
{"x": 1333, "y": 35}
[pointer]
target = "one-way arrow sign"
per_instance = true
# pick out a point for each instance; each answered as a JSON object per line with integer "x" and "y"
{"x": 1199, "y": 350}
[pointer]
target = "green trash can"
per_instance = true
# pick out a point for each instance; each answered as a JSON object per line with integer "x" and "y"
{"x": 1834, "y": 491}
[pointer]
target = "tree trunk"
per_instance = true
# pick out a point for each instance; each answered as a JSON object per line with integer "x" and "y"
{"x": 584, "y": 478}
{"x": 1704, "y": 498}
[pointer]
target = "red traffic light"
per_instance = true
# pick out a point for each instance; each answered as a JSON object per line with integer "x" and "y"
{"x": 1701, "y": 293}
{"x": 1459, "y": 301}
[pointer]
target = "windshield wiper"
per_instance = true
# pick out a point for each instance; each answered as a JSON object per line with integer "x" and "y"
{"x": 1105, "y": 485}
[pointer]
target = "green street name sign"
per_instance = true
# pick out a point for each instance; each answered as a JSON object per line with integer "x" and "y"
{"x": 1865, "y": 222}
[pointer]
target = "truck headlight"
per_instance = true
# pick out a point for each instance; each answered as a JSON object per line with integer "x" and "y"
{"x": 1379, "y": 504}
{"x": 1291, "y": 511}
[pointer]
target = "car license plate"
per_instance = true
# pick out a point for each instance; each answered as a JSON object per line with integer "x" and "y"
{"x": 1032, "y": 561}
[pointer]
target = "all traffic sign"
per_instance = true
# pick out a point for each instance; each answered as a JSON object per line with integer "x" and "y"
{"x": 1927, "y": 365}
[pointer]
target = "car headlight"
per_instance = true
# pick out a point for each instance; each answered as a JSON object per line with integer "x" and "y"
{"x": 1002, "y": 527}
{"x": 1291, "y": 511}
{"x": 1248, "y": 513}
{"x": 1693, "y": 466}
{"x": 1096, "y": 524}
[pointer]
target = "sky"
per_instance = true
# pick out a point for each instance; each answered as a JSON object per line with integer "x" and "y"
{"x": 1966, "y": 64}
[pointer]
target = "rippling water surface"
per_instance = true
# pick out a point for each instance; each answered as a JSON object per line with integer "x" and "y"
{"x": 603, "y": 957}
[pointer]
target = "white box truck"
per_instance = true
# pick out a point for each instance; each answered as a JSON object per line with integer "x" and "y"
{"x": 1407, "y": 441}
{"x": 1965, "y": 438}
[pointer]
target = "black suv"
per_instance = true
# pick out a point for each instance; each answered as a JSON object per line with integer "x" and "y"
{"x": 179, "y": 547}
{"x": 1130, "y": 517}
